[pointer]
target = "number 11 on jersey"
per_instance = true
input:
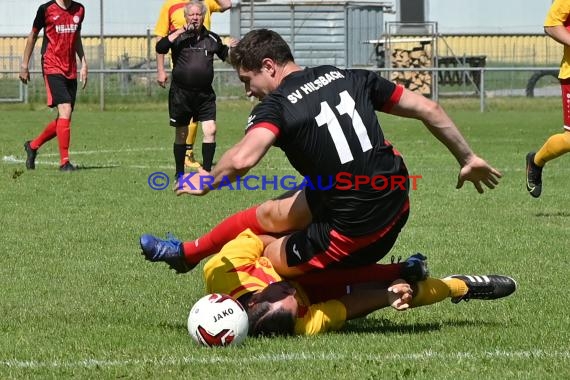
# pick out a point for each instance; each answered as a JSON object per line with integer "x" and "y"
{"x": 328, "y": 117}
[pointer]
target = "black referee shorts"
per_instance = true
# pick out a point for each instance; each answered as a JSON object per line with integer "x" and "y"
{"x": 185, "y": 105}
{"x": 60, "y": 90}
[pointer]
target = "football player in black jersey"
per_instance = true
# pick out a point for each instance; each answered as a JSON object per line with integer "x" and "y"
{"x": 324, "y": 119}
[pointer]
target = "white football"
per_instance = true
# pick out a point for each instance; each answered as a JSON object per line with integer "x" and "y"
{"x": 218, "y": 320}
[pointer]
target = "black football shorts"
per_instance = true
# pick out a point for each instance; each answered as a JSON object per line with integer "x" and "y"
{"x": 185, "y": 105}
{"x": 60, "y": 90}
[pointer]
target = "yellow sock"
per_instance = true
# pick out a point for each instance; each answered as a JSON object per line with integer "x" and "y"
{"x": 192, "y": 131}
{"x": 457, "y": 287}
{"x": 555, "y": 146}
{"x": 430, "y": 291}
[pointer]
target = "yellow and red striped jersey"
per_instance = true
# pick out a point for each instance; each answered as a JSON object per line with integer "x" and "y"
{"x": 172, "y": 18}
{"x": 240, "y": 268}
{"x": 559, "y": 14}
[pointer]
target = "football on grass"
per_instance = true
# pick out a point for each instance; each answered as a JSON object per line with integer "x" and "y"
{"x": 218, "y": 320}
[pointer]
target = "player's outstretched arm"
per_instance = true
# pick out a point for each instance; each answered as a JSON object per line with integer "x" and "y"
{"x": 473, "y": 168}
{"x": 479, "y": 172}
{"x": 366, "y": 298}
{"x": 237, "y": 161}
{"x": 400, "y": 295}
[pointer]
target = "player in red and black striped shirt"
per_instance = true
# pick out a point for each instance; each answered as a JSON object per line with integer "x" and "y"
{"x": 61, "y": 21}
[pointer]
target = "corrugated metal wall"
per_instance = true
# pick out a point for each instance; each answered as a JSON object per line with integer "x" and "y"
{"x": 318, "y": 33}
{"x": 536, "y": 50}
{"x": 364, "y": 23}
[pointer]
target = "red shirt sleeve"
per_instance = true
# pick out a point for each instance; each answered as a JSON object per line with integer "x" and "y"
{"x": 264, "y": 124}
{"x": 394, "y": 99}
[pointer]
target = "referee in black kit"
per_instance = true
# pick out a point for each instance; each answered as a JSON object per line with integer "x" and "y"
{"x": 191, "y": 94}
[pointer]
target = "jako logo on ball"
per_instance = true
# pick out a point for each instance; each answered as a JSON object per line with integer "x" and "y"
{"x": 217, "y": 320}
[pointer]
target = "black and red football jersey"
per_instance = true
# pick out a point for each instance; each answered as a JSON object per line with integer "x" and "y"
{"x": 326, "y": 123}
{"x": 61, "y": 29}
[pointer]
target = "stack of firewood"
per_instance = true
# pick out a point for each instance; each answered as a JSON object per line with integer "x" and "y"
{"x": 417, "y": 81}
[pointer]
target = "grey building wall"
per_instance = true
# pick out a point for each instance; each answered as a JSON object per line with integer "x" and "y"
{"x": 326, "y": 33}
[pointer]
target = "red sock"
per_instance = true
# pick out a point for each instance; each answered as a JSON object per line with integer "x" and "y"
{"x": 47, "y": 134}
{"x": 329, "y": 284}
{"x": 63, "y": 137}
{"x": 228, "y": 229}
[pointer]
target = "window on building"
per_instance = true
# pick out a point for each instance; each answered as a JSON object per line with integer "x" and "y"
{"x": 412, "y": 11}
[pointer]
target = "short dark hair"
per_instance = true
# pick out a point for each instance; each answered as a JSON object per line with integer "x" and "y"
{"x": 258, "y": 44}
{"x": 266, "y": 322}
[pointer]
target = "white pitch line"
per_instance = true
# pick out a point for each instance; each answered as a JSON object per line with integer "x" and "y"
{"x": 87, "y": 152}
{"x": 294, "y": 357}
{"x": 15, "y": 160}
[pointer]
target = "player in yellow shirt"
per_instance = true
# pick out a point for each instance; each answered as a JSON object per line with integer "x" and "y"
{"x": 322, "y": 301}
{"x": 557, "y": 26}
{"x": 170, "y": 19}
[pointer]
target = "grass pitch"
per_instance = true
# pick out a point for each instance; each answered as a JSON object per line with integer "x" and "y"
{"x": 78, "y": 301}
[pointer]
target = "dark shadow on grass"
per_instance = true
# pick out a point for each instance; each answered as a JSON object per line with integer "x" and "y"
{"x": 376, "y": 326}
{"x": 385, "y": 326}
{"x": 96, "y": 167}
{"x": 564, "y": 214}
{"x": 174, "y": 326}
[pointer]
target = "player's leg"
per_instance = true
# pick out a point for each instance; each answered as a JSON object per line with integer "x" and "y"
{"x": 320, "y": 246}
{"x": 180, "y": 113}
{"x": 334, "y": 283}
{"x": 65, "y": 91}
{"x": 179, "y": 148}
{"x": 558, "y": 144}
{"x": 63, "y": 131}
{"x": 288, "y": 212}
{"x": 206, "y": 104}
{"x": 481, "y": 287}
{"x": 190, "y": 161}
{"x": 50, "y": 131}
{"x": 462, "y": 288}
{"x": 554, "y": 147}
{"x": 208, "y": 144}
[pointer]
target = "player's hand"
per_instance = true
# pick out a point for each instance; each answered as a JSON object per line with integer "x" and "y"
{"x": 161, "y": 78}
{"x": 479, "y": 172}
{"x": 232, "y": 42}
{"x": 83, "y": 76}
{"x": 24, "y": 75}
{"x": 194, "y": 183}
{"x": 400, "y": 295}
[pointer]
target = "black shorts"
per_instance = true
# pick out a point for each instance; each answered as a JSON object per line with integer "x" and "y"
{"x": 185, "y": 105}
{"x": 60, "y": 90}
{"x": 320, "y": 246}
